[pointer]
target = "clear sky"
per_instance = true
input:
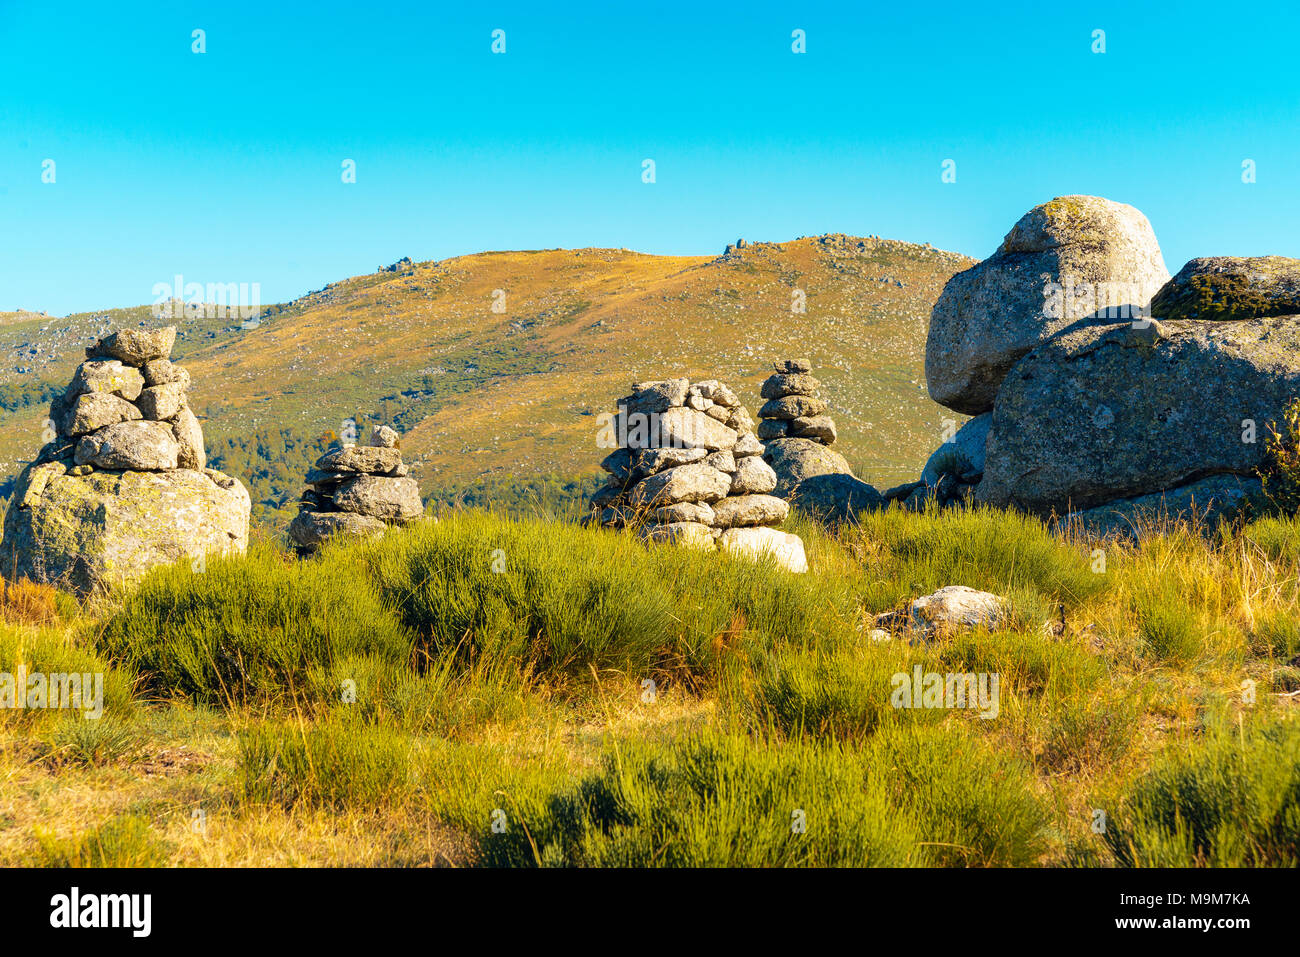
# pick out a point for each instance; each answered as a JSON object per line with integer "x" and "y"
{"x": 226, "y": 166}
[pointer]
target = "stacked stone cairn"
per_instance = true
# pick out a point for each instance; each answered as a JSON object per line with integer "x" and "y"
{"x": 356, "y": 490}
{"x": 798, "y": 436}
{"x": 688, "y": 468}
{"x": 121, "y": 484}
{"x": 793, "y": 409}
{"x": 127, "y": 407}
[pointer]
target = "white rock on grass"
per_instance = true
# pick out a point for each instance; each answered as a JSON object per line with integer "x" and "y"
{"x": 754, "y": 543}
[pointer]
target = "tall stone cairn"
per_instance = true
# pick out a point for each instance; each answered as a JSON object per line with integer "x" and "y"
{"x": 689, "y": 469}
{"x": 356, "y": 490}
{"x": 122, "y": 483}
{"x": 793, "y": 409}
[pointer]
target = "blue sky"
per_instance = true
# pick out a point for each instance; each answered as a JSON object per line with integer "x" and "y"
{"x": 225, "y": 166}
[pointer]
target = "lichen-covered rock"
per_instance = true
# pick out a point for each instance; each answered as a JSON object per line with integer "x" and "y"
{"x": 699, "y": 512}
{"x": 651, "y": 461}
{"x": 1205, "y": 501}
{"x": 794, "y": 460}
{"x": 792, "y": 407}
{"x": 745, "y": 510}
{"x": 381, "y": 436}
{"x": 107, "y": 375}
{"x": 1114, "y": 412}
{"x": 951, "y": 609}
{"x": 788, "y": 383}
{"x": 740, "y": 421}
{"x": 375, "y": 460}
{"x": 1230, "y": 288}
{"x": 94, "y": 410}
{"x": 1075, "y": 261}
{"x": 716, "y": 392}
{"x": 747, "y": 445}
{"x": 163, "y": 371}
{"x": 690, "y": 534}
{"x": 393, "y": 499}
{"x": 135, "y": 346}
{"x": 835, "y": 497}
{"x": 95, "y": 530}
{"x": 685, "y": 483}
{"x": 189, "y": 437}
{"x": 159, "y": 402}
{"x": 755, "y": 543}
{"x": 653, "y": 397}
{"x": 753, "y": 476}
{"x": 310, "y": 529}
{"x": 819, "y": 427}
{"x": 723, "y": 461}
{"x": 682, "y": 428}
{"x": 794, "y": 366}
{"x": 139, "y": 446}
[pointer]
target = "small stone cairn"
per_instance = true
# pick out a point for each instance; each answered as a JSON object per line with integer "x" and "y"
{"x": 356, "y": 490}
{"x": 793, "y": 410}
{"x": 688, "y": 468}
{"x": 127, "y": 408}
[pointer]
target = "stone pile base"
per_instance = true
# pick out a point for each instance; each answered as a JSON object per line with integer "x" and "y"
{"x": 356, "y": 490}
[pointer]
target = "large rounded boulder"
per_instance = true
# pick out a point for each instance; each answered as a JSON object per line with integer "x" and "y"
{"x": 1075, "y": 261}
{"x": 1106, "y": 413}
{"x": 87, "y": 530}
{"x": 794, "y": 460}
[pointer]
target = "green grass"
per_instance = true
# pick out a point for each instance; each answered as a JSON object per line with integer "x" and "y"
{"x": 124, "y": 841}
{"x": 483, "y": 678}
{"x": 1229, "y": 800}
{"x": 914, "y": 554}
{"x": 342, "y": 762}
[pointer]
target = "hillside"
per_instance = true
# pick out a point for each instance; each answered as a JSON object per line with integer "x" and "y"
{"x": 515, "y": 393}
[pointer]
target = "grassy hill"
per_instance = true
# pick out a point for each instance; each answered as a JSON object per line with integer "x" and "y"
{"x": 513, "y": 394}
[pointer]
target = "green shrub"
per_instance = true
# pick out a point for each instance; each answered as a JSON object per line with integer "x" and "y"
{"x": 713, "y": 799}
{"x": 1231, "y": 799}
{"x": 1170, "y": 629}
{"x": 560, "y": 599}
{"x": 1281, "y": 470}
{"x": 55, "y": 651}
{"x": 1277, "y": 635}
{"x": 974, "y": 804}
{"x": 1002, "y": 552}
{"x": 843, "y": 692}
{"x": 250, "y": 626}
{"x": 106, "y": 740}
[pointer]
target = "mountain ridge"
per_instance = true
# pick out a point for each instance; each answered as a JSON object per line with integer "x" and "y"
{"x": 497, "y": 363}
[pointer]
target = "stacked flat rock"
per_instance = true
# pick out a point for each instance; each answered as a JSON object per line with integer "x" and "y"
{"x": 356, "y": 490}
{"x": 122, "y": 485}
{"x": 688, "y": 468}
{"x": 793, "y": 409}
